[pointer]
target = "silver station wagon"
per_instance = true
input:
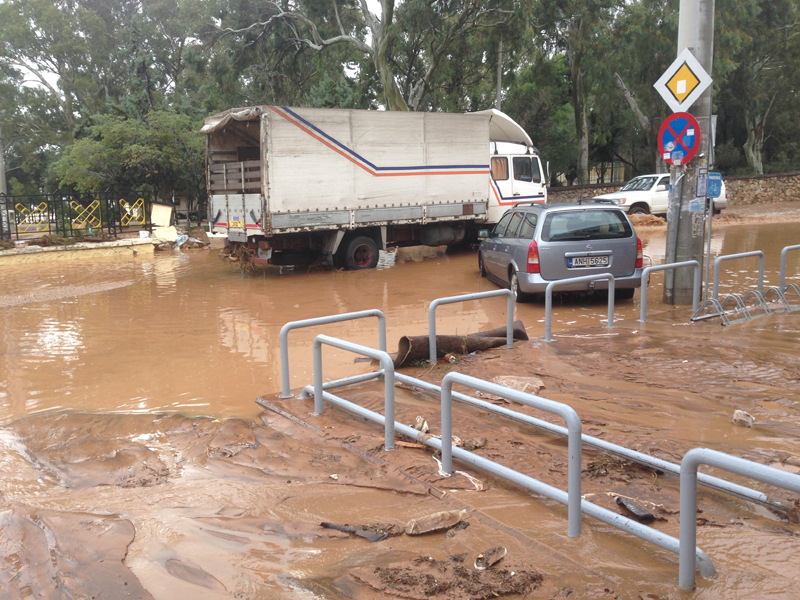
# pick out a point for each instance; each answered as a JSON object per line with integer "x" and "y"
{"x": 534, "y": 244}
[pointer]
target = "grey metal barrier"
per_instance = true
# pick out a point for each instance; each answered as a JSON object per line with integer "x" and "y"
{"x": 556, "y": 408}
{"x": 695, "y": 292}
{"x": 720, "y": 259}
{"x": 388, "y": 376}
{"x": 688, "y": 523}
{"x": 784, "y": 252}
{"x": 467, "y": 298}
{"x": 641, "y": 458}
{"x": 548, "y": 299}
{"x": 662, "y": 540}
{"x": 284, "y": 337}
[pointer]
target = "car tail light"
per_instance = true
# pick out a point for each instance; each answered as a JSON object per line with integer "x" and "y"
{"x": 639, "y": 254}
{"x": 533, "y": 258}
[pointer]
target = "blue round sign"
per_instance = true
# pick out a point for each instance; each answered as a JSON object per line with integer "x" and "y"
{"x": 679, "y": 138}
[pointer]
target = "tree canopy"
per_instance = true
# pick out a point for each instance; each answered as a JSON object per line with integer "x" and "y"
{"x": 111, "y": 93}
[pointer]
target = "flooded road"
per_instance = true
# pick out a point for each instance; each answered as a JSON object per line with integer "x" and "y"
{"x": 229, "y": 505}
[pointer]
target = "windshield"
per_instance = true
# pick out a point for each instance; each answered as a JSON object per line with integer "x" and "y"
{"x": 577, "y": 225}
{"x": 638, "y": 184}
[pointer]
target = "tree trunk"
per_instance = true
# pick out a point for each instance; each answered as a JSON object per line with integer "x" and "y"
{"x": 392, "y": 96}
{"x": 581, "y": 126}
{"x": 3, "y": 186}
{"x": 755, "y": 142}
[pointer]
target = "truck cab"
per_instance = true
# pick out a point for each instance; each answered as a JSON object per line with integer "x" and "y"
{"x": 516, "y": 176}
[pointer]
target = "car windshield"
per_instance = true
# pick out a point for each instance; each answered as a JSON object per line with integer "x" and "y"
{"x": 639, "y": 183}
{"x": 576, "y": 225}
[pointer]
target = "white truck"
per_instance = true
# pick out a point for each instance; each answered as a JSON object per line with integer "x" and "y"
{"x": 287, "y": 185}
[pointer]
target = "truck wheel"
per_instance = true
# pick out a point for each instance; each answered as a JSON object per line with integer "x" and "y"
{"x": 481, "y": 266}
{"x": 638, "y": 210}
{"x": 361, "y": 253}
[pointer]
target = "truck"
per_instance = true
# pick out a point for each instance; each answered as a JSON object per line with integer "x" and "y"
{"x": 291, "y": 185}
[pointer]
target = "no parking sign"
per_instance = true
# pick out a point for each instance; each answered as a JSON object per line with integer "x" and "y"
{"x": 679, "y": 138}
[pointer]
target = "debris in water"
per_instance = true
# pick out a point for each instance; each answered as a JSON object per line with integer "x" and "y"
{"x": 474, "y": 443}
{"x": 335, "y": 477}
{"x": 373, "y": 533}
{"x": 460, "y": 527}
{"x": 458, "y": 558}
{"x": 451, "y": 358}
{"x": 421, "y": 425}
{"x": 489, "y": 557}
{"x": 642, "y": 514}
{"x": 435, "y": 522}
{"x": 743, "y": 419}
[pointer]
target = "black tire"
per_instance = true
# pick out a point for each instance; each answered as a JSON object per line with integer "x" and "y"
{"x": 361, "y": 253}
{"x": 519, "y": 295}
{"x": 638, "y": 210}
{"x": 481, "y": 266}
{"x": 624, "y": 294}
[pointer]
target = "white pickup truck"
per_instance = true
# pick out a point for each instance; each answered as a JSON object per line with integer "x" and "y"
{"x": 649, "y": 194}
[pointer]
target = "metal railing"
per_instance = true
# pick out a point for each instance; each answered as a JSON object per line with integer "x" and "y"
{"x": 688, "y": 508}
{"x": 739, "y": 300}
{"x": 720, "y": 259}
{"x": 784, "y": 252}
{"x": 69, "y": 215}
{"x": 548, "y": 299}
{"x": 695, "y": 292}
{"x": 284, "y": 338}
{"x": 604, "y": 515}
{"x": 466, "y": 298}
{"x": 557, "y": 408}
{"x": 387, "y": 374}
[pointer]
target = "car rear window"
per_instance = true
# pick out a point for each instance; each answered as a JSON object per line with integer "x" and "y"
{"x": 577, "y": 225}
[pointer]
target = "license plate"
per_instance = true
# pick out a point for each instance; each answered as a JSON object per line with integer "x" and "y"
{"x": 234, "y": 223}
{"x": 588, "y": 261}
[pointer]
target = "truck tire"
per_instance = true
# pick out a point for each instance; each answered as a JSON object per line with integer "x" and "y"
{"x": 361, "y": 253}
{"x": 639, "y": 209}
{"x": 481, "y": 266}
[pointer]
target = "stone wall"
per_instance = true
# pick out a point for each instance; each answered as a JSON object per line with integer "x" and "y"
{"x": 741, "y": 190}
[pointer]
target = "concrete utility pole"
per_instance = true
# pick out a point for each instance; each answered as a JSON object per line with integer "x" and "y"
{"x": 685, "y": 228}
{"x": 4, "y": 224}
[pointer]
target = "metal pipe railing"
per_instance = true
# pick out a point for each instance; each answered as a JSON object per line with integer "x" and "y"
{"x": 388, "y": 377}
{"x": 548, "y": 299}
{"x": 784, "y": 252}
{"x": 662, "y": 540}
{"x": 467, "y": 298}
{"x": 695, "y": 293}
{"x": 720, "y": 259}
{"x": 556, "y": 408}
{"x": 641, "y": 458}
{"x": 688, "y": 520}
{"x": 284, "y": 338}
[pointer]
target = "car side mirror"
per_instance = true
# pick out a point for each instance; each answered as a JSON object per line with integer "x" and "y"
{"x": 483, "y": 234}
{"x": 662, "y": 188}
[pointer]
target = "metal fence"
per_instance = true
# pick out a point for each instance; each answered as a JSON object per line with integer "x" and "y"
{"x": 70, "y": 215}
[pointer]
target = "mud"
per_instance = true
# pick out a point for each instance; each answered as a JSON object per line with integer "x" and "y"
{"x": 136, "y": 464}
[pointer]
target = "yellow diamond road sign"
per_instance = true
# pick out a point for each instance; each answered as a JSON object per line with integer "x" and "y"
{"x": 683, "y": 82}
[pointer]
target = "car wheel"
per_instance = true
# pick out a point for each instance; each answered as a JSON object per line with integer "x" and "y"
{"x": 519, "y": 295}
{"x": 638, "y": 210}
{"x": 361, "y": 253}
{"x": 481, "y": 266}
{"x": 624, "y": 294}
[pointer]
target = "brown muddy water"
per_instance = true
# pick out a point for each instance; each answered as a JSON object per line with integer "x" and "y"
{"x": 136, "y": 463}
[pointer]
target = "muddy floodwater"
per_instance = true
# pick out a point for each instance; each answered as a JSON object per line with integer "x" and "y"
{"x": 136, "y": 463}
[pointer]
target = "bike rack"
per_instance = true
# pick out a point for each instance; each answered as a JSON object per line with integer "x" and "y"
{"x": 782, "y": 288}
{"x": 688, "y": 520}
{"x": 284, "y": 337}
{"x": 467, "y": 298}
{"x": 741, "y": 306}
{"x": 556, "y": 408}
{"x": 695, "y": 292}
{"x": 548, "y": 299}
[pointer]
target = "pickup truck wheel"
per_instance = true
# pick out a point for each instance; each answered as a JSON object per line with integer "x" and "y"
{"x": 481, "y": 266}
{"x": 361, "y": 253}
{"x": 638, "y": 210}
